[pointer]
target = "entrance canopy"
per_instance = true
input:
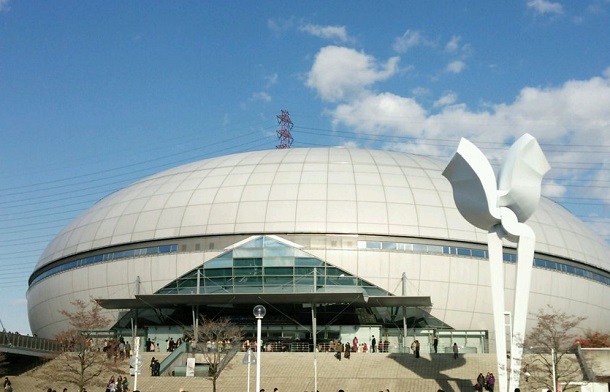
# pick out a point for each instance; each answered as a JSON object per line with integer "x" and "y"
{"x": 174, "y": 300}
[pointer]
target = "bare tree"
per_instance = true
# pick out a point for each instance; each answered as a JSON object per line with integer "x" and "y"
{"x": 551, "y": 343}
{"x": 221, "y": 340}
{"x": 80, "y": 363}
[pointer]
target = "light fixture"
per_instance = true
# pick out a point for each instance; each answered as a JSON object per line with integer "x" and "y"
{"x": 259, "y": 312}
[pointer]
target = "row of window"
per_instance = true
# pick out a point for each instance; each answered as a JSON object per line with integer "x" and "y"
{"x": 123, "y": 254}
{"x": 261, "y": 253}
{"x": 481, "y": 254}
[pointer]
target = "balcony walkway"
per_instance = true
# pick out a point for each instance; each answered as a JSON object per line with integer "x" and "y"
{"x": 27, "y": 345}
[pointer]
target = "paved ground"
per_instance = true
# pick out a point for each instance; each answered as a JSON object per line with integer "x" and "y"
{"x": 294, "y": 372}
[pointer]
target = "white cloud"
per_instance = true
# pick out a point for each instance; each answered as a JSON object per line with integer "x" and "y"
{"x": 420, "y": 91}
{"x": 545, "y": 7}
{"x": 576, "y": 111}
{"x": 261, "y": 96}
{"x": 336, "y": 33}
{"x": 350, "y": 144}
{"x": 447, "y": 99}
{"x": 454, "y": 44}
{"x": 456, "y": 66}
{"x": 409, "y": 40}
{"x": 340, "y": 73}
{"x": 570, "y": 115}
{"x": 271, "y": 79}
{"x": 380, "y": 114}
{"x": 280, "y": 24}
{"x": 553, "y": 189}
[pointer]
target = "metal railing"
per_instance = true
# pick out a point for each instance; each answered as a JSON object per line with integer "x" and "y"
{"x": 12, "y": 342}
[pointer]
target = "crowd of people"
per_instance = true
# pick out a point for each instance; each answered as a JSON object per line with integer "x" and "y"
{"x": 117, "y": 349}
{"x": 170, "y": 344}
{"x": 487, "y": 382}
{"x": 354, "y": 347}
{"x": 121, "y": 384}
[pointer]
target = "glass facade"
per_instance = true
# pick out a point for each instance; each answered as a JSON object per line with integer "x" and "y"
{"x": 265, "y": 265}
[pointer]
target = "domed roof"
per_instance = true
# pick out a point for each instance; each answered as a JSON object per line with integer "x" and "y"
{"x": 310, "y": 190}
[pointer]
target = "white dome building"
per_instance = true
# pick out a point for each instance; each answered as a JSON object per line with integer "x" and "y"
{"x": 316, "y": 225}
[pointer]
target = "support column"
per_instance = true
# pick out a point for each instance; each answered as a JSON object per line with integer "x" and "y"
{"x": 314, "y": 328}
{"x": 496, "y": 278}
{"x": 404, "y": 313}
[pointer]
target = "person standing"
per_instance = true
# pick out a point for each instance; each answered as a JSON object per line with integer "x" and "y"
{"x": 456, "y": 350}
{"x": 491, "y": 382}
{"x": 435, "y": 344}
{"x": 152, "y": 366}
{"x": 338, "y": 349}
{"x": 417, "y": 349}
{"x": 373, "y": 344}
{"x": 7, "y": 385}
{"x": 480, "y": 382}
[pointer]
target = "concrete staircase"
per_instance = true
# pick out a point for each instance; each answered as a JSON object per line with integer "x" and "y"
{"x": 294, "y": 372}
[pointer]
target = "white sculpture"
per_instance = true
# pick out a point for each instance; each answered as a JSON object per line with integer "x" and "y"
{"x": 501, "y": 208}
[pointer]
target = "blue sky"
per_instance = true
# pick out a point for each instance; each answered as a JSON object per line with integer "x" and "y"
{"x": 96, "y": 95}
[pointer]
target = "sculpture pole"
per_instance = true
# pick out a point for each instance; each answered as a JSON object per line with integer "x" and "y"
{"x": 501, "y": 208}
{"x": 496, "y": 272}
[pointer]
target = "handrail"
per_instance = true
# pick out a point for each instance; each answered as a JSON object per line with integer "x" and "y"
{"x": 170, "y": 359}
{"x": 29, "y": 343}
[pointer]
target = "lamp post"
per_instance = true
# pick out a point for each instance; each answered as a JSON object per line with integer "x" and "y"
{"x": 259, "y": 312}
{"x": 248, "y": 359}
{"x": 554, "y": 370}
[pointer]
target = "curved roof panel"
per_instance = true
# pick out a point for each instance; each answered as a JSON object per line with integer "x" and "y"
{"x": 309, "y": 190}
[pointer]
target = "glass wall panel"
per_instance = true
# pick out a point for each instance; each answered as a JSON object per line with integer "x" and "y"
{"x": 219, "y": 272}
{"x": 307, "y": 270}
{"x": 278, "y": 281}
{"x": 218, "y": 281}
{"x": 249, "y": 281}
{"x": 270, "y": 243}
{"x": 332, "y": 271}
{"x": 247, "y": 271}
{"x": 187, "y": 283}
{"x": 278, "y": 261}
{"x": 249, "y": 262}
{"x": 279, "y": 252}
{"x": 305, "y": 262}
{"x": 247, "y": 253}
{"x": 256, "y": 243}
{"x": 279, "y": 271}
{"x": 218, "y": 263}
